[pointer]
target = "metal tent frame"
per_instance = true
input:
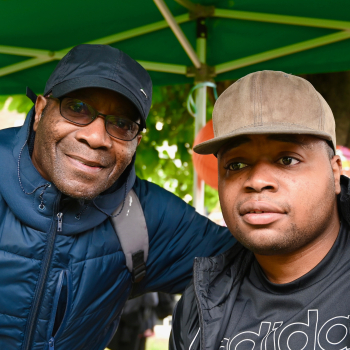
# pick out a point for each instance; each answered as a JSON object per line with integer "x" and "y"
{"x": 200, "y": 71}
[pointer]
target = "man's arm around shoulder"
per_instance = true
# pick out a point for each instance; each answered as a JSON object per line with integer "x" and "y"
{"x": 177, "y": 234}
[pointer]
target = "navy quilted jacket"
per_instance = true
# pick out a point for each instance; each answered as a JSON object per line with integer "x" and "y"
{"x": 63, "y": 278}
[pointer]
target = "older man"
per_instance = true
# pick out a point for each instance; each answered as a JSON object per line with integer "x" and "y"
{"x": 285, "y": 284}
{"x": 63, "y": 273}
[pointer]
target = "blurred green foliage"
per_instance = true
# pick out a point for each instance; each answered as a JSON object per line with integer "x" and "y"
{"x": 168, "y": 123}
{"x": 19, "y": 103}
{"x": 175, "y": 174}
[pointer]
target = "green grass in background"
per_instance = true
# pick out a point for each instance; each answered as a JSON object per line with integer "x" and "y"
{"x": 157, "y": 344}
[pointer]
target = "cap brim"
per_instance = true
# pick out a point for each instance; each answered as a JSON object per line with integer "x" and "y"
{"x": 68, "y": 86}
{"x": 213, "y": 146}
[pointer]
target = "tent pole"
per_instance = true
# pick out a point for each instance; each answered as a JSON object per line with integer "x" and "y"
{"x": 282, "y": 19}
{"x": 181, "y": 37}
{"x": 164, "y": 67}
{"x": 282, "y": 51}
{"x": 200, "y": 120}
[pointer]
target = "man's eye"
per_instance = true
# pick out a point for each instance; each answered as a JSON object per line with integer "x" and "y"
{"x": 79, "y": 107}
{"x": 123, "y": 124}
{"x": 120, "y": 123}
{"x": 235, "y": 166}
{"x": 288, "y": 161}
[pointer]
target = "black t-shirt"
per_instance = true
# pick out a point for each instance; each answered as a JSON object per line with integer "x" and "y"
{"x": 310, "y": 313}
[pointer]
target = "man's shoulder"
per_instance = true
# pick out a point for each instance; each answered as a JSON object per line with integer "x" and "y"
{"x": 164, "y": 209}
{"x": 212, "y": 290}
{"x": 8, "y": 137}
{"x": 149, "y": 191}
{"x": 233, "y": 262}
{"x": 144, "y": 186}
{"x": 236, "y": 258}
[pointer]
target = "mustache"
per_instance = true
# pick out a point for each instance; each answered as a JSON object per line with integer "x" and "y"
{"x": 283, "y": 206}
{"x": 93, "y": 155}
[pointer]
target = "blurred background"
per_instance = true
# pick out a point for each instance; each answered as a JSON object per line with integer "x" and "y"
{"x": 193, "y": 51}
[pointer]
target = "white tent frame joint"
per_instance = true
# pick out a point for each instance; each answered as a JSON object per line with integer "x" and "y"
{"x": 204, "y": 73}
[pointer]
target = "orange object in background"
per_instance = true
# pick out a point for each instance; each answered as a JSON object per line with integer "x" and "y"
{"x": 206, "y": 165}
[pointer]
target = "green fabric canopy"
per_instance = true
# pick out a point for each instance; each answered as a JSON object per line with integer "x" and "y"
{"x": 296, "y": 36}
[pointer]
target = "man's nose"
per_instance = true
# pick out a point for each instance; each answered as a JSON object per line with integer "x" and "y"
{"x": 95, "y": 134}
{"x": 262, "y": 177}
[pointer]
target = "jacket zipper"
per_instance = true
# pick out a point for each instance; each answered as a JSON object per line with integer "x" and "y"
{"x": 52, "y": 344}
{"x": 64, "y": 276}
{"x": 59, "y": 222}
{"x": 196, "y": 292}
{"x": 39, "y": 291}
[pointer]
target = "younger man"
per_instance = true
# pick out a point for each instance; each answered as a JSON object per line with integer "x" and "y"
{"x": 285, "y": 286}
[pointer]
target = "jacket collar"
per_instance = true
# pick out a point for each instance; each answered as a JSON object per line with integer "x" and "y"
{"x": 216, "y": 282}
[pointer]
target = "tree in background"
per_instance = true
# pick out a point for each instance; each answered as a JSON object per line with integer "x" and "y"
{"x": 165, "y": 153}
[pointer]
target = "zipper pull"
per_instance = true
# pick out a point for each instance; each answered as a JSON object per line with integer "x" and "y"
{"x": 52, "y": 344}
{"x": 59, "y": 223}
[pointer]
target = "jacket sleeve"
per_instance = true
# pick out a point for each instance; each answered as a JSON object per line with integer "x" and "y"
{"x": 185, "y": 333}
{"x": 177, "y": 234}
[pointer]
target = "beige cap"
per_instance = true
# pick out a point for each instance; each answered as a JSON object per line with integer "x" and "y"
{"x": 269, "y": 102}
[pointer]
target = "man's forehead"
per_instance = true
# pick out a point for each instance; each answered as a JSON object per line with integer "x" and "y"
{"x": 302, "y": 140}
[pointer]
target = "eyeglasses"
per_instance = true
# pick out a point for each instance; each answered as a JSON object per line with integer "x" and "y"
{"x": 81, "y": 113}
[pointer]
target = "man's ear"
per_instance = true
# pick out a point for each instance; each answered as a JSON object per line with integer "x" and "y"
{"x": 40, "y": 104}
{"x": 337, "y": 169}
{"x": 139, "y": 137}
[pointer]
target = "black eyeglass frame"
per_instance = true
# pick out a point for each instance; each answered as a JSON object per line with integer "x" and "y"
{"x": 97, "y": 114}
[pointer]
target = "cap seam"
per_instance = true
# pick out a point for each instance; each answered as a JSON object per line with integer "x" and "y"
{"x": 64, "y": 66}
{"x": 254, "y": 96}
{"x": 321, "y": 120}
{"x": 260, "y": 122}
{"x": 114, "y": 71}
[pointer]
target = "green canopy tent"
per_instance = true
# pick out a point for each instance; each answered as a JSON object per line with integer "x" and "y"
{"x": 178, "y": 41}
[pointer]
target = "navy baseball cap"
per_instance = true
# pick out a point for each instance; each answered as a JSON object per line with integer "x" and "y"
{"x": 105, "y": 67}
